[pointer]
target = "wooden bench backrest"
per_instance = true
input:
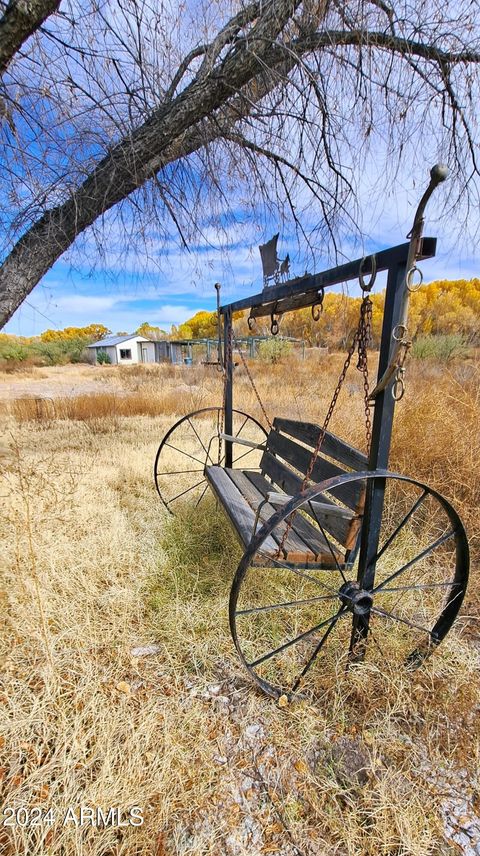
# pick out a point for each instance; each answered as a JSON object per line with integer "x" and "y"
{"x": 289, "y": 449}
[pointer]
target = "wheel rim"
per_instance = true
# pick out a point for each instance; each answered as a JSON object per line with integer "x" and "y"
{"x": 292, "y": 625}
{"x": 192, "y": 443}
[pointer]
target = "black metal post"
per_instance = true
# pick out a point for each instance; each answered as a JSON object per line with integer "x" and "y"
{"x": 379, "y": 455}
{"x": 228, "y": 353}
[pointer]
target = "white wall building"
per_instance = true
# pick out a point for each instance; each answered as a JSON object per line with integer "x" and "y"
{"x": 125, "y": 350}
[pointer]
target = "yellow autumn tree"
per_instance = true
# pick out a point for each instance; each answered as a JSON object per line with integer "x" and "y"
{"x": 151, "y": 332}
{"x": 92, "y": 332}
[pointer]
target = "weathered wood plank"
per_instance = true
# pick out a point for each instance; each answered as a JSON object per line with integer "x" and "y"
{"x": 291, "y": 483}
{"x": 294, "y": 544}
{"x": 320, "y": 507}
{"x": 299, "y": 457}
{"x": 238, "y": 510}
{"x": 309, "y": 533}
{"x": 332, "y": 445}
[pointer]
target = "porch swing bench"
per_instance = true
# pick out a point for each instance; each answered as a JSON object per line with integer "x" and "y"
{"x": 251, "y": 497}
{"x": 337, "y": 549}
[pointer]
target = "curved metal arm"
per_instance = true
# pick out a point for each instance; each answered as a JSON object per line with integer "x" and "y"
{"x": 438, "y": 173}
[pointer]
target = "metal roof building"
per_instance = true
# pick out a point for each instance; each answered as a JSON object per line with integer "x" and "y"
{"x": 124, "y": 350}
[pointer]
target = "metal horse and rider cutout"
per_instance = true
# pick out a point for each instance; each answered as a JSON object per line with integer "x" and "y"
{"x": 274, "y": 269}
{"x": 344, "y": 561}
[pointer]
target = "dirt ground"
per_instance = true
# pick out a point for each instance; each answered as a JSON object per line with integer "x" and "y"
{"x": 59, "y": 381}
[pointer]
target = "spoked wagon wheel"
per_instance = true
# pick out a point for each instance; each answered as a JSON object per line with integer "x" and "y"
{"x": 192, "y": 443}
{"x": 295, "y": 623}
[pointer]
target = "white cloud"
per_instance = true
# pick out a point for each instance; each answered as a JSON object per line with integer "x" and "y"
{"x": 75, "y": 304}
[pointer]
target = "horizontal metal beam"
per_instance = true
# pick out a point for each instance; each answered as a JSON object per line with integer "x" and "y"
{"x": 288, "y": 304}
{"x": 385, "y": 259}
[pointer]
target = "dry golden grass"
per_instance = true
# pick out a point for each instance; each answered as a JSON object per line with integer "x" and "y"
{"x": 94, "y": 568}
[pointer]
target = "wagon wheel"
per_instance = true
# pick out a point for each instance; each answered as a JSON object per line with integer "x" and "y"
{"x": 192, "y": 443}
{"x": 292, "y": 623}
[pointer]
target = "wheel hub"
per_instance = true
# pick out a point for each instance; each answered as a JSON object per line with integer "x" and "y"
{"x": 357, "y": 600}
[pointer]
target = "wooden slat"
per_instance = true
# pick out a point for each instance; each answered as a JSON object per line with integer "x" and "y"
{"x": 295, "y": 544}
{"x": 332, "y": 445}
{"x": 299, "y": 457}
{"x": 238, "y": 510}
{"x": 291, "y": 483}
{"x": 302, "y": 527}
{"x": 320, "y": 507}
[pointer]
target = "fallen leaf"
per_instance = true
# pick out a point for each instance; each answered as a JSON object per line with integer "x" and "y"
{"x": 301, "y": 767}
{"x": 283, "y": 701}
{"x": 123, "y": 687}
{"x": 274, "y": 828}
{"x": 43, "y": 792}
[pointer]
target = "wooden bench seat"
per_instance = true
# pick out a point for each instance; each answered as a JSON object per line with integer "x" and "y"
{"x": 241, "y": 492}
{"x": 250, "y": 497}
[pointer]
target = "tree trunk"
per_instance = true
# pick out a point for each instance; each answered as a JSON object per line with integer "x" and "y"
{"x": 164, "y": 137}
{"x": 19, "y": 21}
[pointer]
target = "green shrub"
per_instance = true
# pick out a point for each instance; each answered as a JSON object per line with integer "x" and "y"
{"x": 58, "y": 352}
{"x": 274, "y": 349}
{"x": 14, "y": 352}
{"x": 444, "y": 347}
{"x": 103, "y": 358}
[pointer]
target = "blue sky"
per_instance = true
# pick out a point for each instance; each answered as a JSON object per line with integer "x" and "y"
{"x": 122, "y": 292}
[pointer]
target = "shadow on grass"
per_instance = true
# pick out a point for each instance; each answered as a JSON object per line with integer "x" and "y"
{"x": 200, "y": 554}
{"x": 188, "y": 598}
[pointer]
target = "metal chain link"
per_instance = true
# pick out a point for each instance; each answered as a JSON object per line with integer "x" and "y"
{"x": 360, "y": 343}
{"x": 364, "y": 340}
{"x": 252, "y": 382}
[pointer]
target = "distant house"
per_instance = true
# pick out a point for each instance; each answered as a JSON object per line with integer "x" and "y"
{"x": 125, "y": 350}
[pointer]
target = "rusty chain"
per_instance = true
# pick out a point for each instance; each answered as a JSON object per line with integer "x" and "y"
{"x": 252, "y": 382}
{"x": 360, "y": 343}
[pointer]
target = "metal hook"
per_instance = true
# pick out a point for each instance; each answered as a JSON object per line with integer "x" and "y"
{"x": 274, "y": 322}
{"x": 399, "y": 332}
{"x": 398, "y": 388}
{"x": 367, "y": 286}
{"x": 317, "y": 308}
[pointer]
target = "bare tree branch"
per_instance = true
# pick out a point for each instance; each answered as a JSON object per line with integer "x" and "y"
{"x": 277, "y": 84}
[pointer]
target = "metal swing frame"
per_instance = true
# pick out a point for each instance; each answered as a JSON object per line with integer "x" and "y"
{"x": 305, "y": 291}
{"x": 362, "y": 536}
{"x": 400, "y": 264}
